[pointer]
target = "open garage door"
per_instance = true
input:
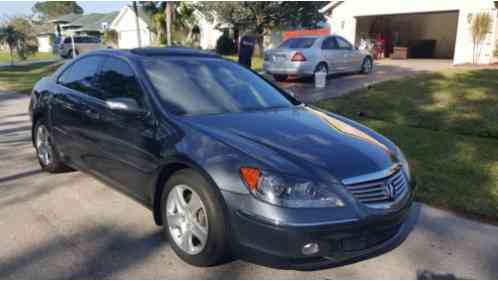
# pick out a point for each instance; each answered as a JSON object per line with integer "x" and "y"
{"x": 424, "y": 35}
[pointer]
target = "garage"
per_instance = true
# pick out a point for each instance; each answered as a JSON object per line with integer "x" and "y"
{"x": 418, "y": 35}
{"x": 417, "y": 29}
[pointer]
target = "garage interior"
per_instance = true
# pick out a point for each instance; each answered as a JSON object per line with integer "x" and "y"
{"x": 421, "y": 35}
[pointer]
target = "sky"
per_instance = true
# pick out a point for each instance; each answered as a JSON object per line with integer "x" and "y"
{"x": 12, "y": 8}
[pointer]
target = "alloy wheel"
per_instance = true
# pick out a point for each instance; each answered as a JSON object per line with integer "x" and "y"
{"x": 367, "y": 66}
{"x": 43, "y": 147}
{"x": 187, "y": 219}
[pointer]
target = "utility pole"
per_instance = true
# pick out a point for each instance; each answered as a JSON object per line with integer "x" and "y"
{"x": 168, "y": 11}
{"x": 139, "y": 37}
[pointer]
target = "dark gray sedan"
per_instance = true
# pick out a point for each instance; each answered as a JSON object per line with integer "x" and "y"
{"x": 228, "y": 163}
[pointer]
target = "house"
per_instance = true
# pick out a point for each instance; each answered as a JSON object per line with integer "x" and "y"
{"x": 126, "y": 26}
{"x": 93, "y": 24}
{"x": 440, "y": 28}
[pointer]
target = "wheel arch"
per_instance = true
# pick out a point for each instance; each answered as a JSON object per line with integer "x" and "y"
{"x": 167, "y": 170}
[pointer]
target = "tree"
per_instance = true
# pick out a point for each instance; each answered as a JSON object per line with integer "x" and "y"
{"x": 10, "y": 37}
{"x": 52, "y": 9}
{"x": 181, "y": 16}
{"x": 480, "y": 27}
{"x": 260, "y": 17}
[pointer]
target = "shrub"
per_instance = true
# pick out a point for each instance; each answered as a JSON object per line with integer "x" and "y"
{"x": 225, "y": 45}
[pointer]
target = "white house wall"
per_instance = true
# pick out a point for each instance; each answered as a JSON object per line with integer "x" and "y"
{"x": 125, "y": 26}
{"x": 343, "y": 20}
{"x": 208, "y": 33}
{"x": 44, "y": 45}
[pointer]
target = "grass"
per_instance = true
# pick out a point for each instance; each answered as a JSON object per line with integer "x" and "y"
{"x": 5, "y": 57}
{"x": 447, "y": 124}
{"x": 256, "y": 65}
{"x": 21, "y": 79}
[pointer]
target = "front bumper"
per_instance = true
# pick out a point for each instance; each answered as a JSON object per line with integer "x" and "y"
{"x": 340, "y": 242}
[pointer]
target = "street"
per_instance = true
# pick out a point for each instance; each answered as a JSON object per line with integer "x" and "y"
{"x": 70, "y": 226}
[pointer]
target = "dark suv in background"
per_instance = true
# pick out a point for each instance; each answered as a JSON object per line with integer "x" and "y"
{"x": 227, "y": 162}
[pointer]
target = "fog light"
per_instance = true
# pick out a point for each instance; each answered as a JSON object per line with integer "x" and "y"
{"x": 310, "y": 249}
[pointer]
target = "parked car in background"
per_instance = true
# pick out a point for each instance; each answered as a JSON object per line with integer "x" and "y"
{"x": 304, "y": 56}
{"x": 82, "y": 44}
{"x": 227, "y": 162}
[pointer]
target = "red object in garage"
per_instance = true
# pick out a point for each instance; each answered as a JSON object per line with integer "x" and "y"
{"x": 305, "y": 32}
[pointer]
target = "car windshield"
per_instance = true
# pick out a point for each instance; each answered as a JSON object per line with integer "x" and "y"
{"x": 192, "y": 86}
{"x": 298, "y": 43}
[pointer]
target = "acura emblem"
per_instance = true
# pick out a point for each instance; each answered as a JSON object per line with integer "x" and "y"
{"x": 390, "y": 190}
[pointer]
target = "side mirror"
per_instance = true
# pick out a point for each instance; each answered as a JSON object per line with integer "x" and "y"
{"x": 127, "y": 106}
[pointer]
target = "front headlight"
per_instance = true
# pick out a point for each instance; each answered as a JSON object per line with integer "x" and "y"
{"x": 404, "y": 162}
{"x": 288, "y": 191}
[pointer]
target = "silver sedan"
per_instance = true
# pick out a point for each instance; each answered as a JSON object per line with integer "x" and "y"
{"x": 305, "y": 56}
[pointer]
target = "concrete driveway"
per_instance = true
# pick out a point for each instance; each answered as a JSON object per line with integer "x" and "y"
{"x": 71, "y": 226}
{"x": 384, "y": 70}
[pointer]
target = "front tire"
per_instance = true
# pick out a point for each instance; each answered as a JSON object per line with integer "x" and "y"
{"x": 367, "y": 66}
{"x": 194, "y": 219}
{"x": 46, "y": 152}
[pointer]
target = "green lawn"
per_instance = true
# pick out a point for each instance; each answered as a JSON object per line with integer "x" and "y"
{"x": 21, "y": 79}
{"x": 257, "y": 62}
{"x": 5, "y": 57}
{"x": 447, "y": 124}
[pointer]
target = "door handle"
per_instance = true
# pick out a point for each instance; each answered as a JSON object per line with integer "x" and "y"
{"x": 92, "y": 114}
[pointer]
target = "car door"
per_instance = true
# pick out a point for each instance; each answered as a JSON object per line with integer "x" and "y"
{"x": 350, "y": 57}
{"x": 128, "y": 153}
{"x": 72, "y": 115}
{"x": 333, "y": 55}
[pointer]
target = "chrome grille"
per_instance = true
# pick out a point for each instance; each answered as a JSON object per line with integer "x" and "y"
{"x": 383, "y": 190}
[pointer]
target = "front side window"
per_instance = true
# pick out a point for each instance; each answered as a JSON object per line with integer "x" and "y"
{"x": 298, "y": 43}
{"x": 210, "y": 86}
{"x": 117, "y": 80}
{"x": 343, "y": 44}
{"x": 80, "y": 76}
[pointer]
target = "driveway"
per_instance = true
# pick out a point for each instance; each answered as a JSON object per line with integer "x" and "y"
{"x": 72, "y": 226}
{"x": 342, "y": 84}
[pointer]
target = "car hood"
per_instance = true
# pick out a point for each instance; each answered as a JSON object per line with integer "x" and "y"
{"x": 307, "y": 137}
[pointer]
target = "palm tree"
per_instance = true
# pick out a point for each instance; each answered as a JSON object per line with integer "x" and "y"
{"x": 11, "y": 37}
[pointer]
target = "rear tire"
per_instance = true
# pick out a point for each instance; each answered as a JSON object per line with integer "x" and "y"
{"x": 46, "y": 152}
{"x": 321, "y": 67}
{"x": 211, "y": 218}
{"x": 280, "y": 77}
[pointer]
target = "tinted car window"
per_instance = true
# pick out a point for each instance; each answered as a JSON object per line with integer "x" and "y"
{"x": 81, "y": 75}
{"x": 67, "y": 40}
{"x": 329, "y": 44}
{"x": 117, "y": 79}
{"x": 210, "y": 86}
{"x": 298, "y": 43}
{"x": 343, "y": 44}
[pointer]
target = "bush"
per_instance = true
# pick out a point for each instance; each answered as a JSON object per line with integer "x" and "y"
{"x": 225, "y": 45}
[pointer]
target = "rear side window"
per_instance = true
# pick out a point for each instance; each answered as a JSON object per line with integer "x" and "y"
{"x": 81, "y": 75}
{"x": 67, "y": 40}
{"x": 117, "y": 80}
{"x": 329, "y": 44}
{"x": 298, "y": 43}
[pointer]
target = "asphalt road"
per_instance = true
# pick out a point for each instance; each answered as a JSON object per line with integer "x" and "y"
{"x": 338, "y": 85}
{"x": 71, "y": 226}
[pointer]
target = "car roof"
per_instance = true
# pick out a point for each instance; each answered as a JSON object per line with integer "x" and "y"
{"x": 151, "y": 52}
